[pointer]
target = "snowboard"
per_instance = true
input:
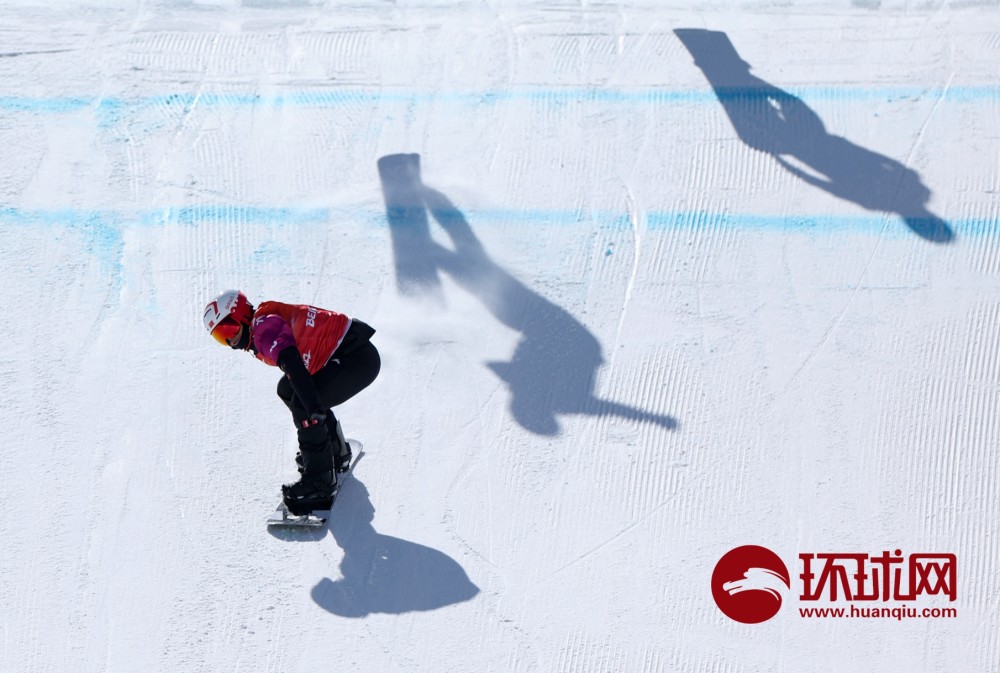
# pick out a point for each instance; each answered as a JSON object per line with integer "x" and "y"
{"x": 282, "y": 518}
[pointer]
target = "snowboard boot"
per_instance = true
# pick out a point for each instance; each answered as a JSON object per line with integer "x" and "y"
{"x": 341, "y": 449}
{"x": 317, "y": 484}
{"x": 342, "y": 454}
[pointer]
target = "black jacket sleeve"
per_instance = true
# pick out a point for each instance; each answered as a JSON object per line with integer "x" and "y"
{"x": 290, "y": 361}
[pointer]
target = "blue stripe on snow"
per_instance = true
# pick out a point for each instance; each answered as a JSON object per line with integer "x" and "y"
{"x": 551, "y": 95}
{"x": 106, "y": 225}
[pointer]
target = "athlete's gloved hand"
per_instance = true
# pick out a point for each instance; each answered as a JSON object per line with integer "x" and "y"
{"x": 315, "y": 418}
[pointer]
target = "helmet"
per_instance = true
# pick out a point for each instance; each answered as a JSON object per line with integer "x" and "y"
{"x": 225, "y": 314}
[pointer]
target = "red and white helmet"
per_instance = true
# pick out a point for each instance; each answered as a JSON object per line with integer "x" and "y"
{"x": 225, "y": 314}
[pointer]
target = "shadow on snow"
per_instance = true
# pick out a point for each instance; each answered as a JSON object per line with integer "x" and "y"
{"x": 554, "y": 366}
{"x": 381, "y": 573}
{"x": 771, "y": 120}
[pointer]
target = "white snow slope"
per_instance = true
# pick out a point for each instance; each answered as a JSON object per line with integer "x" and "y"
{"x": 651, "y": 281}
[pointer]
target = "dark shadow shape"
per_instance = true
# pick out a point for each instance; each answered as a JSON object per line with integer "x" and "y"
{"x": 383, "y": 574}
{"x": 414, "y": 251}
{"x": 553, "y": 368}
{"x": 773, "y": 121}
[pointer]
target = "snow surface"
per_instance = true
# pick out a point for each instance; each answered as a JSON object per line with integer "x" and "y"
{"x": 629, "y": 318}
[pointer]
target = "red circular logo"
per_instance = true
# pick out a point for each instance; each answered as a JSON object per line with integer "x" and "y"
{"x": 748, "y": 583}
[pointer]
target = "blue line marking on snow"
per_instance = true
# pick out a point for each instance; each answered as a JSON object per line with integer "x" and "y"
{"x": 194, "y": 215}
{"x": 104, "y": 228}
{"x": 182, "y": 102}
{"x": 102, "y": 231}
{"x": 44, "y": 105}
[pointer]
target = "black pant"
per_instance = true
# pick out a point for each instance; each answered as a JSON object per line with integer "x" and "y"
{"x": 343, "y": 377}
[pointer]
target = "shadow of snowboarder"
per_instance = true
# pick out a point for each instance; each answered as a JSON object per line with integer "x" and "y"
{"x": 773, "y": 121}
{"x": 554, "y": 367}
{"x": 384, "y": 574}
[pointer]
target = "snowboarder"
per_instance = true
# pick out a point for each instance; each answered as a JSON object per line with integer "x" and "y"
{"x": 327, "y": 358}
